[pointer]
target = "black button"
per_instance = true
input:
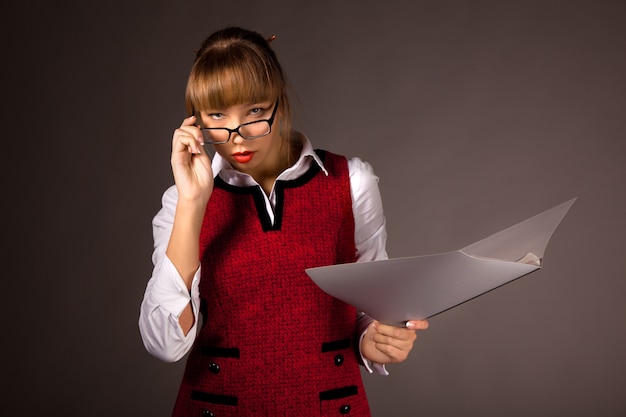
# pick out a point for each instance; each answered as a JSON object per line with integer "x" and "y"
{"x": 344, "y": 409}
{"x": 339, "y": 360}
{"x": 214, "y": 368}
{"x": 207, "y": 413}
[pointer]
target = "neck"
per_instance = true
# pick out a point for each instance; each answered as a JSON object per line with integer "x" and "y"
{"x": 285, "y": 159}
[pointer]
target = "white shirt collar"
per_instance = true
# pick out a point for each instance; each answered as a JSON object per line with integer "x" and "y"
{"x": 226, "y": 171}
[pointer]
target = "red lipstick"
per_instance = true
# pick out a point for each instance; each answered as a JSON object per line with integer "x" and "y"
{"x": 243, "y": 157}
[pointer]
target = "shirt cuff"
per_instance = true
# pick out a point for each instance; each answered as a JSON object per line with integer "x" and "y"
{"x": 371, "y": 367}
{"x": 363, "y": 323}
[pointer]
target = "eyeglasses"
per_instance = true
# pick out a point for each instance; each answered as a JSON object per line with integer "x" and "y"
{"x": 248, "y": 131}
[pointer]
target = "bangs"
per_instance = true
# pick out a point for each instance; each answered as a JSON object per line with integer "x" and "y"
{"x": 230, "y": 76}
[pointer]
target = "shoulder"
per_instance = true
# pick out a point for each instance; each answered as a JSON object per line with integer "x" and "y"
{"x": 356, "y": 166}
{"x": 362, "y": 174}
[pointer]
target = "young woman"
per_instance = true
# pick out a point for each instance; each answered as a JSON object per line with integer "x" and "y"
{"x": 234, "y": 237}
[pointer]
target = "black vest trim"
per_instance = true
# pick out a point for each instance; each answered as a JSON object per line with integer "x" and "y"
{"x": 207, "y": 397}
{"x": 220, "y": 352}
{"x": 335, "y": 394}
{"x": 335, "y": 345}
{"x": 279, "y": 189}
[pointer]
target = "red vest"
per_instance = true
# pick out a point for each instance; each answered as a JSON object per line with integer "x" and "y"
{"x": 272, "y": 343}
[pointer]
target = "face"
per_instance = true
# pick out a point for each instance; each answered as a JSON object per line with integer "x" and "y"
{"x": 258, "y": 157}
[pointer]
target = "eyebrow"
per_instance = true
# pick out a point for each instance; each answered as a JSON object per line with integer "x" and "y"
{"x": 267, "y": 103}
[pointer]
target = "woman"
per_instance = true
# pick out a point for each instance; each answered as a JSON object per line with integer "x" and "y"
{"x": 234, "y": 237}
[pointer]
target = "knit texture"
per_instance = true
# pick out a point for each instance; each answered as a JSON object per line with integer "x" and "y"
{"x": 272, "y": 342}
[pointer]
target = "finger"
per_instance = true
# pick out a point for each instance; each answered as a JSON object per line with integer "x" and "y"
{"x": 393, "y": 344}
{"x": 187, "y": 137}
{"x": 395, "y": 351}
{"x": 189, "y": 125}
{"x": 417, "y": 324}
{"x": 394, "y": 332}
{"x": 399, "y": 343}
{"x": 184, "y": 142}
{"x": 189, "y": 121}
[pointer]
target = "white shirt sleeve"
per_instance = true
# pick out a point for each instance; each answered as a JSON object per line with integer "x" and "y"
{"x": 166, "y": 294}
{"x": 370, "y": 232}
{"x": 370, "y": 228}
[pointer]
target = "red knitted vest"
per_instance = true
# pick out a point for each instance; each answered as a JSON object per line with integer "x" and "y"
{"x": 272, "y": 343}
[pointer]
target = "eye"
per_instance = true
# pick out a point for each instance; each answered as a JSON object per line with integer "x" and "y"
{"x": 256, "y": 111}
{"x": 216, "y": 116}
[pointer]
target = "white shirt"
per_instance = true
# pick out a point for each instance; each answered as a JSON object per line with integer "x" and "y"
{"x": 166, "y": 294}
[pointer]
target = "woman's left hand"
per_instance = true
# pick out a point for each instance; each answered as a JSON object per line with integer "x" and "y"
{"x": 390, "y": 344}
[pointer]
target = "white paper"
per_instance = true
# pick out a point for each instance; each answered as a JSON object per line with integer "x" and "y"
{"x": 396, "y": 290}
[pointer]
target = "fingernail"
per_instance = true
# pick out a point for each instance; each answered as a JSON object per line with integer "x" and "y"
{"x": 410, "y": 325}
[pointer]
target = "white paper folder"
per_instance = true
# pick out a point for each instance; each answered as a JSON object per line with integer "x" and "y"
{"x": 412, "y": 288}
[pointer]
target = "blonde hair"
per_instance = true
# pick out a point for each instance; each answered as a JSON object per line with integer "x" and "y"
{"x": 237, "y": 66}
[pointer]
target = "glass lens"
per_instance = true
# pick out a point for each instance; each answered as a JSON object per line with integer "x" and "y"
{"x": 215, "y": 135}
{"x": 254, "y": 129}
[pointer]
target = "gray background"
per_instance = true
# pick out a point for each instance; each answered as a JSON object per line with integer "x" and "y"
{"x": 475, "y": 115}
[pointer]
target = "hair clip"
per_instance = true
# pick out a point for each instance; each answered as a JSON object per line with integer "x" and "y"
{"x": 271, "y": 38}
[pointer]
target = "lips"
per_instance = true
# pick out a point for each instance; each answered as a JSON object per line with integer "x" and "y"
{"x": 243, "y": 157}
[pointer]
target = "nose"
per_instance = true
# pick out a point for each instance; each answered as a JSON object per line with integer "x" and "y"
{"x": 236, "y": 138}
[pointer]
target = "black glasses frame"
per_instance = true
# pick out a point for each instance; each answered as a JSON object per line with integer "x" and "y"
{"x": 269, "y": 121}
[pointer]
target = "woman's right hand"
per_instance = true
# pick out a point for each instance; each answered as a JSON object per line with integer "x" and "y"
{"x": 191, "y": 165}
{"x": 194, "y": 182}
